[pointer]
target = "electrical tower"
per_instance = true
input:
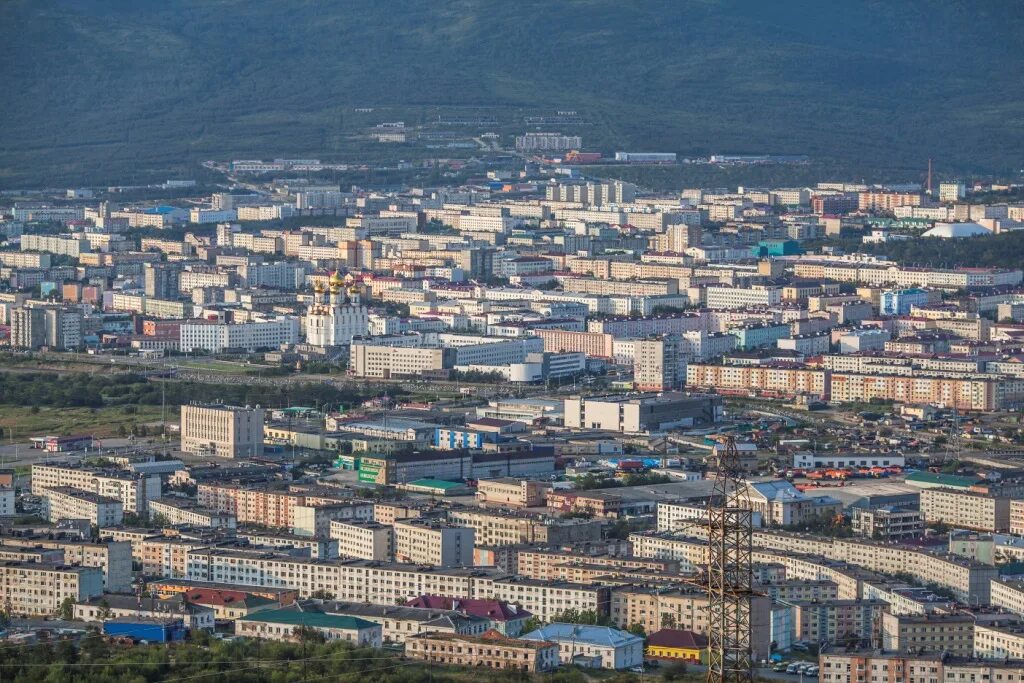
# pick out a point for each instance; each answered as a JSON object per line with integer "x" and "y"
{"x": 729, "y": 575}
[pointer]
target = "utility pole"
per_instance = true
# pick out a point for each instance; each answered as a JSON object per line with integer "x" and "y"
{"x": 729, "y": 574}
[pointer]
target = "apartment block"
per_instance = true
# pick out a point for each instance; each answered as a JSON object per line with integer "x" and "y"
{"x": 1017, "y": 517}
{"x": 364, "y": 540}
{"x": 182, "y": 511}
{"x": 999, "y": 642}
{"x": 512, "y": 492}
{"x": 1008, "y": 595}
{"x": 434, "y": 543}
{"x": 64, "y": 502}
{"x": 33, "y": 589}
{"x": 546, "y": 564}
{"x": 831, "y": 621}
{"x": 863, "y": 666}
{"x": 685, "y": 609}
{"x": 887, "y": 523}
{"x": 133, "y": 490}
{"x": 952, "y": 633}
{"x": 494, "y": 528}
{"x": 770, "y": 381}
{"x": 966, "y": 509}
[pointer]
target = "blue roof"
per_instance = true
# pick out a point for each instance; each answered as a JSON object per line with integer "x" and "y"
{"x": 596, "y": 635}
{"x": 778, "y": 490}
{"x": 161, "y": 209}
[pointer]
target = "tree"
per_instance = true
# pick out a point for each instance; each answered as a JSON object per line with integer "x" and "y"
{"x": 668, "y": 620}
{"x": 674, "y": 672}
{"x": 531, "y": 624}
{"x": 67, "y": 609}
{"x": 104, "y": 612}
{"x": 637, "y": 630}
{"x": 321, "y": 594}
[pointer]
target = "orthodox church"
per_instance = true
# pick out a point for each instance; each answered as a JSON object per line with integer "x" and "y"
{"x": 334, "y": 317}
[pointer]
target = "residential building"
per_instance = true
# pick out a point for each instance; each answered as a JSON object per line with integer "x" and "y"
{"x": 34, "y": 589}
{"x": 917, "y": 633}
{"x": 64, "y": 502}
{"x": 176, "y": 511}
{"x": 364, "y": 539}
{"x": 887, "y": 523}
{"x": 491, "y": 650}
{"x": 433, "y": 542}
{"x": 966, "y": 509}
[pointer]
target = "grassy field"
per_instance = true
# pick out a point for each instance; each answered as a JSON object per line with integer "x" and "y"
{"x": 102, "y": 422}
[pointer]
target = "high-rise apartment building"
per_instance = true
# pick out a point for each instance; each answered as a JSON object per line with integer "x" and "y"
{"x": 225, "y": 431}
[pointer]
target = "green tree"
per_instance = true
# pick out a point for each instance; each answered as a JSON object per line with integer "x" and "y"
{"x": 66, "y": 610}
{"x": 637, "y": 630}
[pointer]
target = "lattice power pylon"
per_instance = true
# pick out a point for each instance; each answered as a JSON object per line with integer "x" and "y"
{"x": 729, "y": 575}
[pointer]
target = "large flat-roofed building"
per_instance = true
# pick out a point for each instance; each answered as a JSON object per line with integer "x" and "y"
{"x": 952, "y": 633}
{"x": 65, "y": 502}
{"x": 364, "y": 539}
{"x": 860, "y": 666}
{"x": 490, "y": 650}
{"x": 887, "y": 523}
{"x": 133, "y": 490}
{"x": 634, "y": 414}
{"x": 1017, "y": 517}
{"x": 494, "y": 528}
{"x": 224, "y": 431}
{"x": 966, "y": 509}
{"x": 1009, "y": 595}
{"x": 433, "y": 542}
{"x": 999, "y": 642}
{"x": 512, "y": 492}
{"x": 30, "y": 588}
{"x": 184, "y": 511}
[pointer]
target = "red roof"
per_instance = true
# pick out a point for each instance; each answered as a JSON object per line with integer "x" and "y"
{"x": 487, "y": 609}
{"x": 670, "y": 637}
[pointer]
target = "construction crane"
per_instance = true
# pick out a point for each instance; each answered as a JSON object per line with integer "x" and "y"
{"x": 729, "y": 575}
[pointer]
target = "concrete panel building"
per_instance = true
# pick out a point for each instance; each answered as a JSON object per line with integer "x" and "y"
{"x": 224, "y": 431}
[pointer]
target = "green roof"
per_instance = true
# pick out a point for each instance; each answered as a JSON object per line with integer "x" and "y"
{"x": 942, "y": 479}
{"x": 312, "y": 619}
{"x": 436, "y": 484}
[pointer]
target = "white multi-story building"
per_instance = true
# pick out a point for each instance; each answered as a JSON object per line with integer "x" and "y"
{"x": 364, "y": 539}
{"x": 215, "y": 337}
{"x": 67, "y": 503}
{"x": 721, "y": 296}
{"x": 434, "y": 543}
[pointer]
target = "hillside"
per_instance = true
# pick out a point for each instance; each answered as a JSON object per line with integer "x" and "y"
{"x": 104, "y": 90}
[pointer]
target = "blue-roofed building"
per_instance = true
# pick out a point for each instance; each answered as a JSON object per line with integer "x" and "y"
{"x": 780, "y": 503}
{"x": 596, "y": 646}
{"x": 148, "y": 629}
